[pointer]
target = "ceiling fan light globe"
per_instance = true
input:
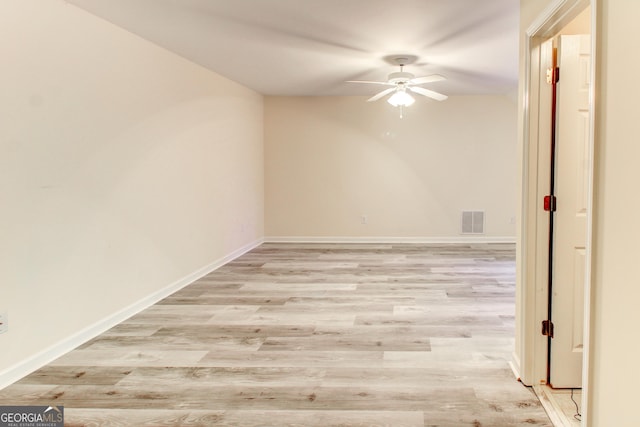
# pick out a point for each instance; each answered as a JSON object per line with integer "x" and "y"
{"x": 401, "y": 98}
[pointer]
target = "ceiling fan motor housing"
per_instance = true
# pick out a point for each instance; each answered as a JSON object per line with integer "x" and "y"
{"x": 400, "y": 77}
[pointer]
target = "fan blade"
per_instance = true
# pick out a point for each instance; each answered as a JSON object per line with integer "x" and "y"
{"x": 429, "y": 93}
{"x": 371, "y": 82}
{"x": 427, "y": 79}
{"x": 381, "y": 94}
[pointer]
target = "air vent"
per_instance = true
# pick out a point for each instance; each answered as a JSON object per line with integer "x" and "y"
{"x": 472, "y": 222}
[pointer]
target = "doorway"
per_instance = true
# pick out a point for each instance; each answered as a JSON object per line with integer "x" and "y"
{"x": 567, "y": 269}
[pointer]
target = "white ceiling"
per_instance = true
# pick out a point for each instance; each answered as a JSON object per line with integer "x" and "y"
{"x": 311, "y": 47}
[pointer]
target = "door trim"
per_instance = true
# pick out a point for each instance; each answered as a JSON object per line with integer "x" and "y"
{"x": 531, "y": 347}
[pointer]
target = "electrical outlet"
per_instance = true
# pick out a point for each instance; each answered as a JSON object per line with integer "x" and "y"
{"x": 4, "y": 322}
{"x": 364, "y": 219}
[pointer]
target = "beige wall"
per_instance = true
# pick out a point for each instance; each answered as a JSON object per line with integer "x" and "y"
{"x": 123, "y": 169}
{"x": 330, "y": 160}
{"x": 613, "y": 370}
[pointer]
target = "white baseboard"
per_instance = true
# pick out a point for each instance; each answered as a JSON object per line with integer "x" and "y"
{"x": 388, "y": 240}
{"x": 35, "y": 362}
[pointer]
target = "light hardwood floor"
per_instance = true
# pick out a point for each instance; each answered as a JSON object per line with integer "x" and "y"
{"x": 309, "y": 335}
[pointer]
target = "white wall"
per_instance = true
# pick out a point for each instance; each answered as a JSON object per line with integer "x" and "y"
{"x": 614, "y": 348}
{"x": 123, "y": 169}
{"x": 330, "y": 160}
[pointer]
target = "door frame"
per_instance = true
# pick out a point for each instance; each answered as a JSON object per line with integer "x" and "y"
{"x": 530, "y": 357}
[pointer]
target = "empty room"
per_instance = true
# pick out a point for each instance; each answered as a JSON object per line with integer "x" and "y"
{"x": 318, "y": 213}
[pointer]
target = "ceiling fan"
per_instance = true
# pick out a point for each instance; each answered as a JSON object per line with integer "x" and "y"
{"x": 402, "y": 83}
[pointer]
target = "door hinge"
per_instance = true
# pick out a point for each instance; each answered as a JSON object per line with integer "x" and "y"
{"x": 550, "y": 203}
{"x": 547, "y": 328}
{"x": 553, "y": 75}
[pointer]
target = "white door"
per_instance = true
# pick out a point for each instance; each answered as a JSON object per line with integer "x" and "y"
{"x": 570, "y": 228}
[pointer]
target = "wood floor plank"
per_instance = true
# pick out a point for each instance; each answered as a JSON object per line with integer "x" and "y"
{"x": 204, "y": 298}
{"x": 178, "y": 343}
{"x": 66, "y": 375}
{"x": 246, "y": 418}
{"x": 130, "y": 357}
{"x": 206, "y": 332}
{"x": 25, "y": 391}
{"x": 350, "y": 358}
{"x": 283, "y": 397}
{"x": 309, "y": 335}
{"x": 336, "y": 343}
